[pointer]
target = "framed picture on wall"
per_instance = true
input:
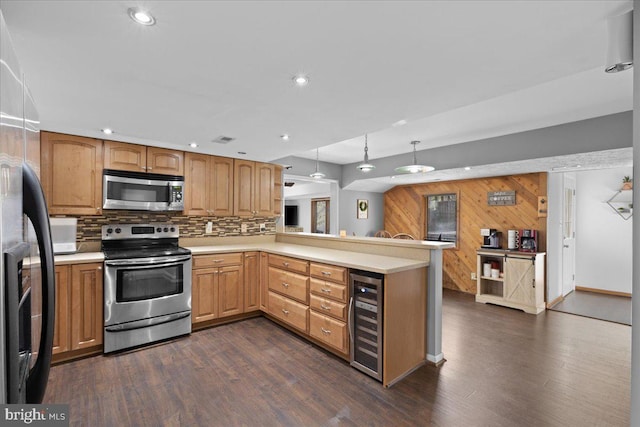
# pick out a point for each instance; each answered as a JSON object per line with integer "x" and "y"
{"x": 362, "y": 209}
{"x": 442, "y": 217}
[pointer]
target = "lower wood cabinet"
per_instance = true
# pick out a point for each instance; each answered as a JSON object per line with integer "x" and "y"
{"x": 289, "y": 311}
{"x": 264, "y": 282}
{"x": 330, "y": 331}
{"x": 251, "y": 281}
{"x": 217, "y": 286}
{"x": 79, "y": 307}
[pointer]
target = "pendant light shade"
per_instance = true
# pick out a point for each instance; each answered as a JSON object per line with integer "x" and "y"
{"x": 620, "y": 43}
{"x": 414, "y": 167}
{"x": 366, "y": 166}
{"x": 317, "y": 174}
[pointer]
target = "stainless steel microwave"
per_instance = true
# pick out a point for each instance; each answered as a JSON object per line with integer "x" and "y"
{"x": 142, "y": 191}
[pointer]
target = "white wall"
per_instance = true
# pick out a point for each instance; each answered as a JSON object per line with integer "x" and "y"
{"x": 554, "y": 236}
{"x": 603, "y": 238}
{"x": 348, "y": 213}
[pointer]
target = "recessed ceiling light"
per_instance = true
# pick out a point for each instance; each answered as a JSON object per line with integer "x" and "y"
{"x": 301, "y": 80}
{"x": 399, "y": 123}
{"x": 141, "y": 17}
{"x": 193, "y": 145}
{"x": 107, "y": 131}
{"x": 467, "y": 168}
{"x": 285, "y": 137}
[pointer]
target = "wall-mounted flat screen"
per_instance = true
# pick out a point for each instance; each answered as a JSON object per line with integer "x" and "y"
{"x": 291, "y": 215}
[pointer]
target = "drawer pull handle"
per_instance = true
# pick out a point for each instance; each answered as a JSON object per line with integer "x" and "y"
{"x": 325, "y": 307}
{"x": 286, "y": 285}
{"x": 286, "y": 264}
{"x": 218, "y": 260}
{"x": 326, "y": 273}
{"x": 326, "y": 291}
{"x": 325, "y": 331}
{"x": 285, "y": 311}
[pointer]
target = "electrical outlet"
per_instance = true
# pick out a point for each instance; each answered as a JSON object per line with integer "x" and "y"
{"x": 209, "y": 228}
{"x": 243, "y": 227}
{"x": 474, "y": 276}
{"x": 263, "y": 227}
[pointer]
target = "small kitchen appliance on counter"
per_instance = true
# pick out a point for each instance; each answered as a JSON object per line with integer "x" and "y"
{"x": 528, "y": 240}
{"x": 491, "y": 238}
{"x": 63, "y": 235}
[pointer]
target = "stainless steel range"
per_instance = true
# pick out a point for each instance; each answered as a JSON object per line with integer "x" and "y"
{"x": 147, "y": 285}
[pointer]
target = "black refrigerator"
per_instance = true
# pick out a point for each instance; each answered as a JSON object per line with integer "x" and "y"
{"x": 27, "y": 284}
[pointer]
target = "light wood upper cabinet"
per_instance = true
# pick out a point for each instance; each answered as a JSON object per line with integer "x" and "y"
{"x": 71, "y": 171}
{"x": 209, "y": 185}
{"x": 86, "y": 305}
{"x": 258, "y": 188}
{"x": 140, "y": 158}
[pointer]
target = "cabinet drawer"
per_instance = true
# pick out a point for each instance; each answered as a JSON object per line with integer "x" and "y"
{"x": 293, "y": 285}
{"x": 329, "y": 289}
{"x": 217, "y": 260}
{"x": 328, "y": 307}
{"x": 330, "y": 331}
{"x": 291, "y": 312}
{"x": 329, "y": 272}
{"x": 292, "y": 264}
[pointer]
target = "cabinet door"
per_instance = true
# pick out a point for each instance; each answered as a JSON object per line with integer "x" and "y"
{"x": 221, "y": 189}
{"x": 251, "y": 281}
{"x": 196, "y": 182}
{"x": 243, "y": 184}
{"x": 71, "y": 169}
{"x": 519, "y": 281}
{"x": 204, "y": 302}
{"x": 264, "y": 194}
{"x": 61, "y": 313}
{"x": 264, "y": 282}
{"x": 230, "y": 290}
{"x": 86, "y": 305}
{"x": 164, "y": 161}
{"x": 277, "y": 190}
{"x": 125, "y": 157}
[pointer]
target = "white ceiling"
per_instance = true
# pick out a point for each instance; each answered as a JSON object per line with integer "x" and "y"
{"x": 456, "y": 71}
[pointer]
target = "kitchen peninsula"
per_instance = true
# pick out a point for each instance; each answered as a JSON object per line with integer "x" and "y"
{"x": 317, "y": 309}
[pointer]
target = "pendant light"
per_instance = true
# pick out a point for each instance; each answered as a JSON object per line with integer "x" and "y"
{"x": 366, "y": 166}
{"x": 317, "y": 174}
{"x": 414, "y": 167}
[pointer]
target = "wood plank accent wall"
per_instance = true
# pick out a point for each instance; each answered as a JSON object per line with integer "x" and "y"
{"x": 405, "y": 212}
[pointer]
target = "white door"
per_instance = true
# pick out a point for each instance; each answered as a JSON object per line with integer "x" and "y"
{"x": 568, "y": 234}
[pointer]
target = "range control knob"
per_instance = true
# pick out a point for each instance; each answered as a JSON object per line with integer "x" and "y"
{"x": 158, "y": 229}
{"x": 166, "y": 229}
{"x": 118, "y": 230}
{"x": 109, "y": 230}
{"x": 173, "y": 229}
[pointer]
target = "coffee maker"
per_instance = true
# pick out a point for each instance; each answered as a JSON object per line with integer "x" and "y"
{"x": 491, "y": 238}
{"x": 529, "y": 240}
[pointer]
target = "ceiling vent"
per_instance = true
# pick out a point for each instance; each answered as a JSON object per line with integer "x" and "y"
{"x": 289, "y": 183}
{"x": 223, "y": 139}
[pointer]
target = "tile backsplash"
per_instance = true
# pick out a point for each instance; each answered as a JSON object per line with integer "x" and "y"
{"x": 90, "y": 226}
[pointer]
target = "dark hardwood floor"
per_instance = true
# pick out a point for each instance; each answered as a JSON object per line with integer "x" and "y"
{"x": 503, "y": 368}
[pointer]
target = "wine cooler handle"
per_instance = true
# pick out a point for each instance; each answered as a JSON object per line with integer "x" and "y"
{"x": 350, "y": 326}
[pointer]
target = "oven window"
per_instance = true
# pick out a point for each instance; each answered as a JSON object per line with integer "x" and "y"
{"x": 137, "y": 192}
{"x": 149, "y": 283}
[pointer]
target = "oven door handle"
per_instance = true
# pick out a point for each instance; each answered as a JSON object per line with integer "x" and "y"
{"x": 145, "y": 323}
{"x": 151, "y": 262}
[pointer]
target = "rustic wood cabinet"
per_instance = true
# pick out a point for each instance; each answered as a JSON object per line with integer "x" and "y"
{"x": 71, "y": 172}
{"x": 257, "y": 190}
{"x": 208, "y": 185}
{"x": 217, "y": 287}
{"x": 140, "y": 158}
{"x": 521, "y": 284}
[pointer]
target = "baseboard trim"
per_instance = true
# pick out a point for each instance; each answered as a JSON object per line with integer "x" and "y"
{"x": 555, "y": 301}
{"x": 603, "y": 291}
